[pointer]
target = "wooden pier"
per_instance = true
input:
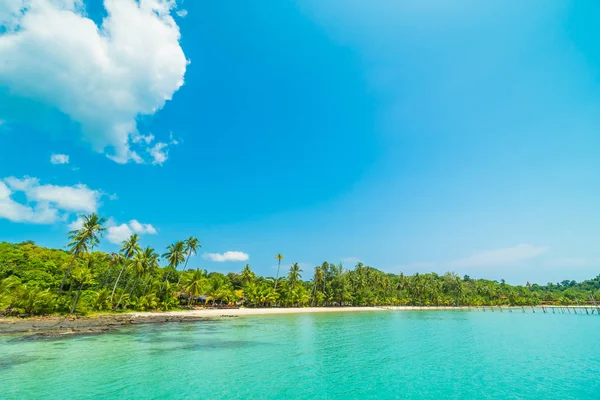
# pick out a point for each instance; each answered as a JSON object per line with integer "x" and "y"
{"x": 545, "y": 309}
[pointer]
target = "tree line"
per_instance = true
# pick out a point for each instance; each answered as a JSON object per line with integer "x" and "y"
{"x": 39, "y": 281}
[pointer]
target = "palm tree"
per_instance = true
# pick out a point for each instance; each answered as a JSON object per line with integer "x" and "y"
{"x": 279, "y": 258}
{"x": 175, "y": 255}
{"x": 141, "y": 263}
{"x": 195, "y": 284}
{"x": 131, "y": 246}
{"x": 82, "y": 239}
{"x": 247, "y": 275}
{"x": 151, "y": 264}
{"x": 294, "y": 275}
{"x": 84, "y": 276}
{"x": 192, "y": 245}
{"x": 128, "y": 249}
{"x": 317, "y": 281}
{"x": 218, "y": 287}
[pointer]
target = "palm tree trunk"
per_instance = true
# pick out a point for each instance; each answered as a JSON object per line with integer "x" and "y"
{"x": 116, "y": 283}
{"x": 67, "y": 272}
{"x": 106, "y": 276}
{"x": 76, "y": 299}
{"x": 277, "y": 278}
{"x": 185, "y": 265}
{"x": 146, "y": 286}
{"x": 121, "y": 298}
{"x": 133, "y": 286}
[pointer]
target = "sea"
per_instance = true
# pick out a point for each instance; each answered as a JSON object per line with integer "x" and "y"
{"x": 352, "y": 355}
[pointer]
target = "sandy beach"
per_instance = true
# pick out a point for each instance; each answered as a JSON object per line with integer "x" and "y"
{"x": 58, "y": 325}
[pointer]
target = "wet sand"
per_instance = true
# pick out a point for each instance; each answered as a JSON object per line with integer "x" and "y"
{"x": 60, "y": 325}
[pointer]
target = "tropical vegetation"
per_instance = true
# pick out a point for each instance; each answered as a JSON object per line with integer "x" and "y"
{"x": 80, "y": 280}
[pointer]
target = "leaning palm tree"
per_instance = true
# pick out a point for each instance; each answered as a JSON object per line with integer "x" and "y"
{"x": 151, "y": 264}
{"x": 128, "y": 249}
{"x": 83, "y": 276}
{"x": 140, "y": 263}
{"x": 192, "y": 245}
{"x": 82, "y": 239}
{"x": 175, "y": 255}
{"x": 279, "y": 258}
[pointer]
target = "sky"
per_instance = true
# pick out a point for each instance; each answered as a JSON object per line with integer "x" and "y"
{"x": 410, "y": 136}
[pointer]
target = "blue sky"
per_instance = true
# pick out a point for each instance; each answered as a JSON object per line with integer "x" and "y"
{"x": 414, "y": 137}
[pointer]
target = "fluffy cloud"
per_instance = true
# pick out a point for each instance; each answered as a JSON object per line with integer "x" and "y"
{"x": 504, "y": 256}
{"x": 17, "y": 212}
{"x": 44, "y": 203}
{"x": 142, "y": 228}
{"x": 77, "y": 198}
{"x": 101, "y": 77}
{"x": 351, "y": 260}
{"x": 159, "y": 153}
{"x": 119, "y": 233}
{"x": 59, "y": 159}
{"x": 227, "y": 256}
{"x": 76, "y": 225}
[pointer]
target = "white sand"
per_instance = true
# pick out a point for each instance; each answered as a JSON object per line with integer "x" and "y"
{"x": 240, "y": 312}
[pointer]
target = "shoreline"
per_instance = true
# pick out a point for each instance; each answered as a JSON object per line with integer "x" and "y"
{"x": 57, "y": 325}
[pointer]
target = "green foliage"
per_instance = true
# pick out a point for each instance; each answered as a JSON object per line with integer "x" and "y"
{"x": 31, "y": 278}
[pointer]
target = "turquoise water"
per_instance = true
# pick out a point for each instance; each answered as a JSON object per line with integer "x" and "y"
{"x": 373, "y": 355}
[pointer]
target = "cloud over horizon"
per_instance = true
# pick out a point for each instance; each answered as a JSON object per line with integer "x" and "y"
{"x": 117, "y": 234}
{"x": 227, "y": 256}
{"x": 503, "y": 256}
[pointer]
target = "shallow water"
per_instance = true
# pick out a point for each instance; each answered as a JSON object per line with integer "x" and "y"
{"x": 374, "y": 355}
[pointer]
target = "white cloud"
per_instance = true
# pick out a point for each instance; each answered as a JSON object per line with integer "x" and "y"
{"x": 59, "y": 159}
{"x": 351, "y": 260}
{"x": 182, "y": 13}
{"x": 44, "y": 204}
{"x": 142, "y": 228}
{"x": 76, "y": 225}
{"x": 119, "y": 233}
{"x": 102, "y": 77}
{"x": 504, "y": 256}
{"x": 227, "y": 256}
{"x": 159, "y": 156}
{"x": 41, "y": 213}
{"x": 77, "y": 198}
{"x": 138, "y": 138}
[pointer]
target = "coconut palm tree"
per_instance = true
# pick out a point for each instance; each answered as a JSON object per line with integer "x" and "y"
{"x": 141, "y": 263}
{"x": 151, "y": 264}
{"x": 128, "y": 249}
{"x": 175, "y": 255}
{"x": 317, "y": 281}
{"x": 82, "y": 239}
{"x": 279, "y": 258}
{"x": 247, "y": 275}
{"x": 83, "y": 276}
{"x": 195, "y": 284}
{"x": 294, "y": 275}
{"x": 192, "y": 245}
